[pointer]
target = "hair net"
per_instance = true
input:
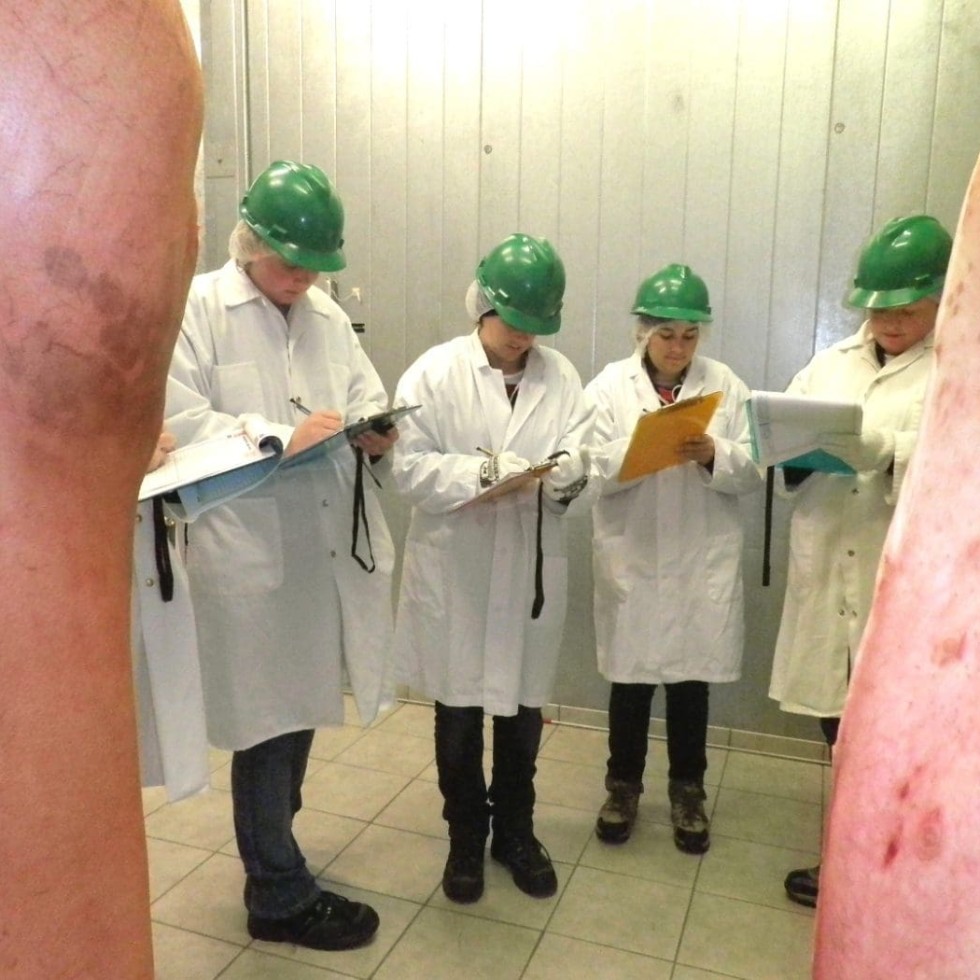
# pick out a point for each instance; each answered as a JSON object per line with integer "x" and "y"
{"x": 645, "y": 325}
{"x": 477, "y": 304}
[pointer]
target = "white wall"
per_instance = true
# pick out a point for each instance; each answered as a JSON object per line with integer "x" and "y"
{"x": 760, "y": 141}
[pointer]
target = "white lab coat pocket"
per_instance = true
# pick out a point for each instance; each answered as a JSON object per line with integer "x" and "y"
{"x": 236, "y": 388}
{"x": 610, "y": 567}
{"x": 723, "y": 573}
{"x": 237, "y": 549}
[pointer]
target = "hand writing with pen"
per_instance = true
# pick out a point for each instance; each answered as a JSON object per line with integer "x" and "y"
{"x": 321, "y": 424}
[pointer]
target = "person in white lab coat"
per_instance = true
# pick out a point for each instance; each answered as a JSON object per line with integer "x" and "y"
{"x": 840, "y": 521}
{"x": 482, "y": 601}
{"x": 170, "y": 703}
{"x": 288, "y": 589}
{"x": 667, "y": 553}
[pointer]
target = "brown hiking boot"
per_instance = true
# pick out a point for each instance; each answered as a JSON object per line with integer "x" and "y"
{"x": 618, "y": 814}
{"x": 688, "y": 817}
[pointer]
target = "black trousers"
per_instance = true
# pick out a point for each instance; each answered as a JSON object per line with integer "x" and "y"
{"x": 468, "y": 806}
{"x": 687, "y": 730}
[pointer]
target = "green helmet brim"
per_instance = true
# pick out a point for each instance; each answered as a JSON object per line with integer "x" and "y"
{"x": 888, "y": 299}
{"x": 305, "y": 258}
{"x": 527, "y": 323}
{"x": 673, "y": 313}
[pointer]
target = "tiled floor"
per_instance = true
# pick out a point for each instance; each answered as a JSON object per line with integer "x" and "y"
{"x": 371, "y": 828}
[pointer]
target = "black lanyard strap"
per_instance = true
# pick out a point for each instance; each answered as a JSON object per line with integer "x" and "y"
{"x": 161, "y": 550}
{"x": 538, "y": 562}
{"x": 360, "y": 513}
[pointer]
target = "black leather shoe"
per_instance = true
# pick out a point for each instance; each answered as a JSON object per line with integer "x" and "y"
{"x": 803, "y": 885}
{"x": 462, "y": 880}
{"x": 529, "y": 864}
{"x": 332, "y": 923}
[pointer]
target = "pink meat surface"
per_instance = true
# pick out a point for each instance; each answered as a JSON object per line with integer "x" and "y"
{"x": 900, "y": 884}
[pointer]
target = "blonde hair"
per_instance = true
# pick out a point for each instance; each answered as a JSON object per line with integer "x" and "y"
{"x": 244, "y": 245}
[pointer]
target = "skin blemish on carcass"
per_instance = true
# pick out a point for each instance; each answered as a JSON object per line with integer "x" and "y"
{"x": 903, "y": 791}
{"x": 891, "y": 852}
{"x": 928, "y": 839}
{"x": 950, "y": 650}
{"x": 65, "y": 268}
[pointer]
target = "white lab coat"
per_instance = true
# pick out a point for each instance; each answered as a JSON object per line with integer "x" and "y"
{"x": 839, "y": 524}
{"x": 464, "y": 632}
{"x": 667, "y": 548}
{"x": 170, "y": 703}
{"x": 282, "y": 607}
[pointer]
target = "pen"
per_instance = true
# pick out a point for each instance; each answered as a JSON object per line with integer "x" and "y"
{"x": 300, "y": 407}
{"x": 486, "y": 452}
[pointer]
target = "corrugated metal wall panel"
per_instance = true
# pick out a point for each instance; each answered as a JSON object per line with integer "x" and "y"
{"x": 759, "y": 141}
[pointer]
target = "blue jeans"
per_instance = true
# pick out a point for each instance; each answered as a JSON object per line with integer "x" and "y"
{"x": 266, "y": 781}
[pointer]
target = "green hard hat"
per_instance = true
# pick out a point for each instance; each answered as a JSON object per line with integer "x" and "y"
{"x": 674, "y": 293}
{"x": 295, "y": 210}
{"x": 524, "y": 279}
{"x": 905, "y": 261}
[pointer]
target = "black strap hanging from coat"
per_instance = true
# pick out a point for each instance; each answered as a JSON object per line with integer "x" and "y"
{"x": 161, "y": 550}
{"x": 360, "y": 512}
{"x": 767, "y": 530}
{"x": 538, "y": 560}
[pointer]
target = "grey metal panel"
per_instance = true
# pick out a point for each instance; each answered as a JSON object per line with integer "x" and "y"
{"x": 956, "y": 129}
{"x": 501, "y": 121}
{"x": 578, "y": 175}
{"x": 225, "y": 124}
{"x": 907, "y": 109}
{"x": 383, "y": 304}
{"x": 741, "y": 330}
{"x": 805, "y": 124}
{"x": 461, "y": 162}
{"x": 620, "y": 202}
{"x": 714, "y": 54}
{"x": 858, "y": 86}
{"x": 318, "y": 85}
{"x": 354, "y": 70}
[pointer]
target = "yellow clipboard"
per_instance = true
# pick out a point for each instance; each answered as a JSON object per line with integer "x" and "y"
{"x": 657, "y": 436}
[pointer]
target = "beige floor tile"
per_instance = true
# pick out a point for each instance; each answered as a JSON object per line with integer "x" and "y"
{"x": 180, "y": 955}
{"x": 201, "y": 821}
{"x": 417, "y": 808}
{"x": 169, "y": 863}
{"x": 328, "y": 743}
{"x": 503, "y": 901}
{"x": 752, "y": 872}
{"x": 563, "y": 830}
{"x": 350, "y": 791}
{"x": 584, "y": 746}
{"x": 390, "y": 752}
{"x": 441, "y": 945}
{"x": 748, "y": 941}
{"x": 692, "y": 973}
{"x": 768, "y": 820}
{"x": 208, "y": 901}
{"x": 774, "y": 777}
{"x": 391, "y": 862}
{"x": 218, "y": 758}
{"x": 411, "y": 719}
{"x": 561, "y": 958}
{"x": 649, "y": 853}
{"x": 395, "y": 916}
{"x": 569, "y": 784}
{"x": 615, "y": 910}
{"x": 255, "y": 965}
{"x": 154, "y": 797}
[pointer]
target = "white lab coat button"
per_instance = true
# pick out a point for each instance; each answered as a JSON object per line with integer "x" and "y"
{"x": 150, "y": 582}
